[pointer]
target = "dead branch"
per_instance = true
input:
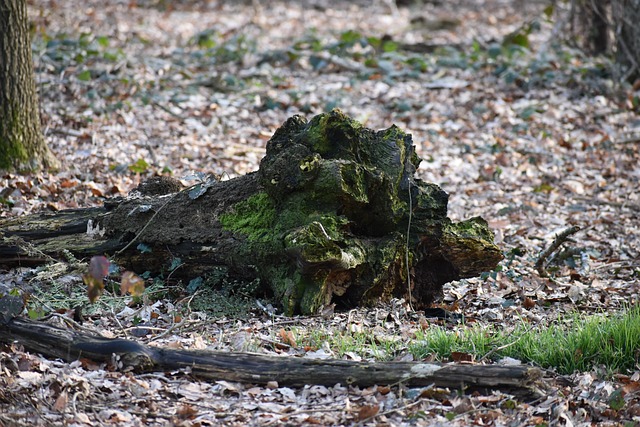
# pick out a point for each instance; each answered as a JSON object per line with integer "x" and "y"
{"x": 559, "y": 239}
{"x": 70, "y": 345}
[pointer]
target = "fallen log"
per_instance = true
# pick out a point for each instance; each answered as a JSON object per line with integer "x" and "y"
{"x": 70, "y": 345}
{"x": 334, "y": 214}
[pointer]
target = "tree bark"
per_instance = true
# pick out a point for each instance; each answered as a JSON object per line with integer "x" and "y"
{"x": 22, "y": 145}
{"x": 334, "y": 214}
{"x": 610, "y": 27}
{"x": 69, "y": 345}
{"x": 626, "y": 15}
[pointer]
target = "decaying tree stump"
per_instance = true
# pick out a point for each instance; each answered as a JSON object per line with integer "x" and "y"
{"x": 325, "y": 218}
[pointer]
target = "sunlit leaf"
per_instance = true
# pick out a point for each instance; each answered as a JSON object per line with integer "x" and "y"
{"x": 131, "y": 283}
{"x": 287, "y": 337}
{"x": 140, "y": 166}
{"x": 99, "y": 267}
{"x": 95, "y": 287}
{"x": 368, "y": 411}
{"x": 94, "y": 279}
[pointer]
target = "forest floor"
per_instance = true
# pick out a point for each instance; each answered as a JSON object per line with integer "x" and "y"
{"x": 516, "y": 125}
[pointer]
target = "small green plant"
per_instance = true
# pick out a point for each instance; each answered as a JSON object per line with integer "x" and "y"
{"x": 221, "y": 296}
{"x": 212, "y": 45}
{"x": 83, "y": 51}
{"x": 349, "y": 342}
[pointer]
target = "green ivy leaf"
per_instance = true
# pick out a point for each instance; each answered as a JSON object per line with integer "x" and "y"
{"x": 175, "y": 263}
{"x": 140, "y": 166}
{"x": 84, "y": 76}
{"x": 194, "y": 284}
{"x": 103, "y": 41}
{"x": 145, "y": 249}
{"x": 350, "y": 37}
{"x": 389, "y": 46}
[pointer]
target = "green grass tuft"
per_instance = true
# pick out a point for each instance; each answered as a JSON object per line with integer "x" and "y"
{"x": 577, "y": 343}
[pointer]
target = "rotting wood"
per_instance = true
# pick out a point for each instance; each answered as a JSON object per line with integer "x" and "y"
{"x": 334, "y": 214}
{"x": 69, "y": 345}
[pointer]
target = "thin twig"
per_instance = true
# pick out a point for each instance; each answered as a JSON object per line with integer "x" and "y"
{"x": 406, "y": 252}
{"x": 171, "y": 329}
{"x": 70, "y": 322}
{"x": 502, "y": 347}
{"x": 627, "y": 52}
{"x": 629, "y": 140}
{"x": 147, "y": 224}
{"x": 618, "y": 264}
{"x": 168, "y": 110}
{"x": 559, "y": 239}
{"x": 609, "y": 203}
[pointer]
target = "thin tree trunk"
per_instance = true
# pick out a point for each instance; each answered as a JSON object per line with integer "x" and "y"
{"x": 22, "y": 145}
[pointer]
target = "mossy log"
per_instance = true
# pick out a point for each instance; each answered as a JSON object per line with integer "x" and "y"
{"x": 334, "y": 214}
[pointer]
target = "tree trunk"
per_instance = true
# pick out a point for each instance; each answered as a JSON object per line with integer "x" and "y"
{"x": 325, "y": 219}
{"x": 595, "y": 21}
{"x": 22, "y": 145}
{"x": 611, "y": 27}
{"x": 626, "y": 15}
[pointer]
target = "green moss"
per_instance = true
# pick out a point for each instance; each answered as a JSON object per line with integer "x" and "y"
{"x": 332, "y": 134}
{"x": 310, "y": 163}
{"x": 288, "y": 286}
{"x": 254, "y": 217}
{"x": 475, "y": 227}
{"x": 309, "y": 238}
{"x": 334, "y": 214}
{"x": 469, "y": 246}
{"x": 315, "y": 134}
{"x": 12, "y": 150}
